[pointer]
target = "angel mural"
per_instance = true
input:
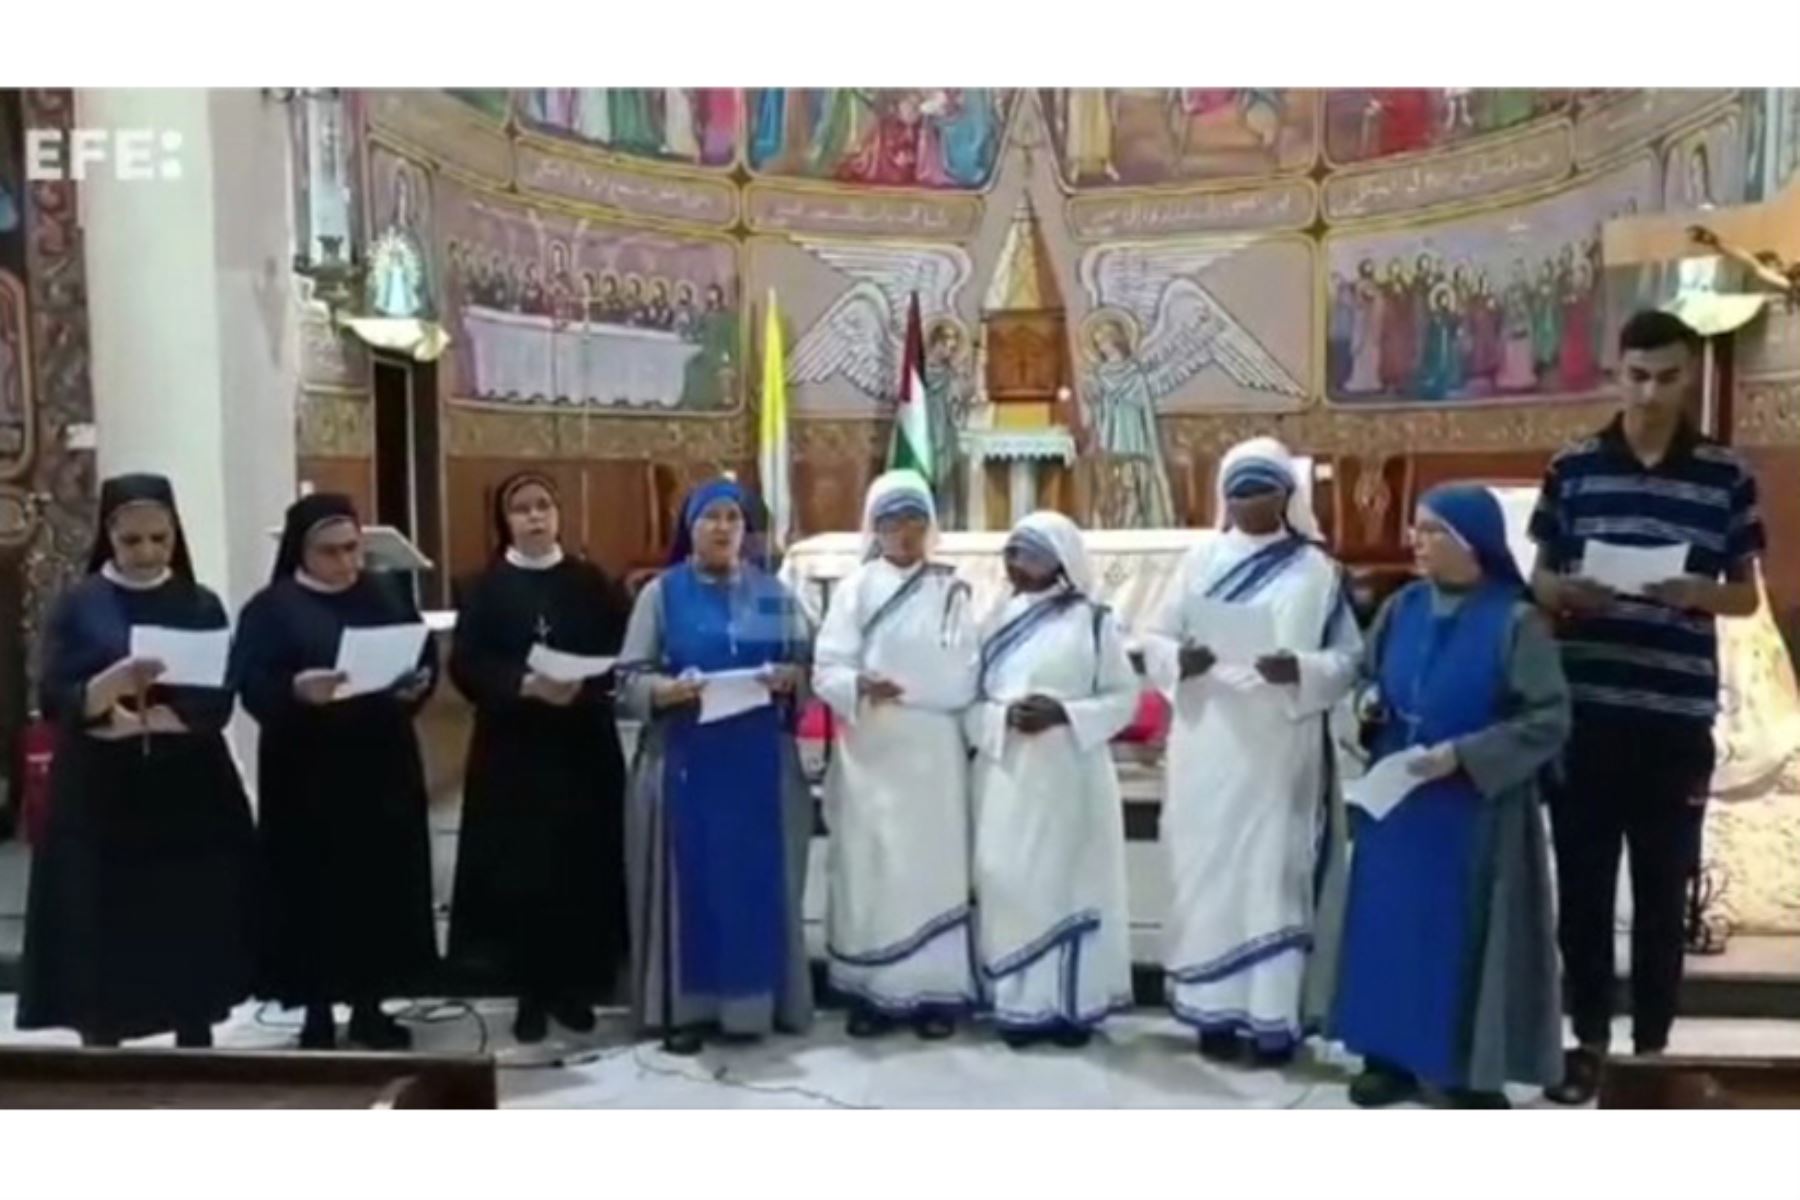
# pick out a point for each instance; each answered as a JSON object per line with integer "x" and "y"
{"x": 1129, "y": 374}
{"x": 860, "y": 339}
{"x": 949, "y": 393}
{"x": 399, "y": 271}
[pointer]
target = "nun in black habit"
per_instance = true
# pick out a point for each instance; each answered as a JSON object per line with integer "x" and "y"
{"x": 137, "y": 921}
{"x": 341, "y": 788}
{"x": 539, "y": 906}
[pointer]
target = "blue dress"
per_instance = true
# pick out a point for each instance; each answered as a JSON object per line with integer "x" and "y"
{"x": 1418, "y": 884}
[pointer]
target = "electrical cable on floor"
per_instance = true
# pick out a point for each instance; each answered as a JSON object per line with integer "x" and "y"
{"x": 721, "y": 1077}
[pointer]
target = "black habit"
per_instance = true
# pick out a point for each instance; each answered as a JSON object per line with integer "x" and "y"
{"x": 138, "y": 920}
{"x": 539, "y": 907}
{"x": 341, "y": 792}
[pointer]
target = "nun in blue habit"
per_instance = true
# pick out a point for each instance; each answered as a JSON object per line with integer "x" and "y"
{"x": 718, "y": 814}
{"x": 1447, "y": 977}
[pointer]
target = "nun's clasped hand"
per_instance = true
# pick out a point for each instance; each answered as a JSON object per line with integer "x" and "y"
{"x": 121, "y": 681}
{"x": 319, "y": 686}
{"x": 781, "y": 678}
{"x": 1282, "y": 668}
{"x": 1035, "y": 714}
{"x": 1196, "y": 661}
{"x": 1438, "y": 762}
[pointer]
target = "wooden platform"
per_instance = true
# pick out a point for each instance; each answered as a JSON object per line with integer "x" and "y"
{"x": 1676, "y": 1082}
{"x": 66, "y": 1079}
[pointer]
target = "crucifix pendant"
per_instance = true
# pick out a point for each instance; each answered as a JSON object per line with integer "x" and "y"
{"x": 543, "y": 629}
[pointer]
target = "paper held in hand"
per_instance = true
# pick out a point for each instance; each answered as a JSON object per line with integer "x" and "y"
{"x": 559, "y": 666}
{"x": 1630, "y": 570}
{"x": 373, "y": 658}
{"x": 1387, "y": 783}
{"x": 728, "y": 693}
{"x": 190, "y": 657}
{"x": 1237, "y": 634}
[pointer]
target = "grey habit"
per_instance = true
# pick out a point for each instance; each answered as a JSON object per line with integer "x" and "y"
{"x": 792, "y": 1009}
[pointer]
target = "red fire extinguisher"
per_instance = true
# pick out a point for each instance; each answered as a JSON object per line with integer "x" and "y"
{"x": 34, "y": 808}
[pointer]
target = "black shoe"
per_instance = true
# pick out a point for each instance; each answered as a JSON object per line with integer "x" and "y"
{"x": 1072, "y": 1037}
{"x": 1268, "y": 1059}
{"x": 320, "y": 1030}
{"x": 373, "y": 1029}
{"x": 574, "y": 1015}
{"x": 934, "y": 1027}
{"x": 531, "y": 1024}
{"x": 1580, "y": 1081}
{"x": 1380, "y": 1087}
{"x": 867, "y": 1023}
{"x": 194, "y": 1037}
{"x": 685, "y": 1042}
{"x": 1219, "y": 1047}
{"x": 1021, "y": 1039}
{"x": 1468, "y": 1098}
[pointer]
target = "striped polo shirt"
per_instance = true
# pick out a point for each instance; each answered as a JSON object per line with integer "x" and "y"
{"x": 1640, "y": 656}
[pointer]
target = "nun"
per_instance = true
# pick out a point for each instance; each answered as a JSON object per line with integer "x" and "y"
{"x": 341, "y": 788}
{"x": 138, "y": 915}
{"x": 1054, "y": 686}
{"x": 1448, "y": 976}
{"x": 895, "y": 661}
{"x": 1248, "y": 792}
{"x": 718, "y": 813}
{"x": 539, "y": 903}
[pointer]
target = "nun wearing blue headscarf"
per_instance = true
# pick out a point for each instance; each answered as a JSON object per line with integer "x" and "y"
{"x": 896, "y": 662}
{"x": 1249, "y": 798}
{"x": 1447, "y": 974}
{"x": 718, "y": 813}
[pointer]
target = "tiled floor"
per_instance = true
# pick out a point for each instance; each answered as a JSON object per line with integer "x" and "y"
{"x": 1142, "y": 1060}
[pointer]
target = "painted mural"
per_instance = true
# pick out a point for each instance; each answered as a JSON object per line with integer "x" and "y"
{"x": 1424, "y": 247}
{"x": 1149, "y": 136}
{"x": 945, "y": 138}
{"x": 1370, "y": 123}
{"x": 1504, "y": 304}
{"x": 15, "y": 375}
{"x": 547, "y": 308}
{"x": 690, "y": 126}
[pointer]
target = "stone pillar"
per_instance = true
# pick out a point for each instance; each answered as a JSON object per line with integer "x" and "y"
{"x": 195, "y": 343}
{"x": 195, "y": 349}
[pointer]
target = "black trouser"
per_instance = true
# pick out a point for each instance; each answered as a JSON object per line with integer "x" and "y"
{"x": 1640, "y": 782}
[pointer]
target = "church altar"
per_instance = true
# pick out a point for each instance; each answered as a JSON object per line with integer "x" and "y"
{"x": 523, "y": 357}
{"x": 1024, "y": 452}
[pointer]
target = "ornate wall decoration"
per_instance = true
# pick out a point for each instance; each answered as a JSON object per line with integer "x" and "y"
{"x": 1288, "y": 204}
{"x": 18, "y": 415}
{"x": 1541, "y": 156}
{"x": 443, "y": 131}
{"x": 786, "y": 208}
{"x": 335, "y": 425}
{"x": 1328, "y": 430}
{"x": 1134, "y": 137}
{"x": 1612, "y": 126}
{"x": 1366, "y": 124}
{"x": 1767, "y": 412}
{"x": 627, "y": 188}
{"x": 693, "y": 127}
{"x": 488, "y": 433}
{"x": 933, "y": 138}
{"x": 56, "y": 279}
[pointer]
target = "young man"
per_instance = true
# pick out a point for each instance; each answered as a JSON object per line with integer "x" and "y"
{"x": 1643, "y": 675}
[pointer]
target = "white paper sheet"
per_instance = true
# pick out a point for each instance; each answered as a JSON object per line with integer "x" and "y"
{"x": 375, "y": 657}
{"x": 1238, "y": 676}
{"x": 728, "y": 693}
{"x": 1629, "y": 570}
{"x": 1237, "y": 634}
{"x": 560, "y": 666}
{"x": 190, "y": 657}
{"x": 927, "y": 675}
{"x": 1379, "y": 791}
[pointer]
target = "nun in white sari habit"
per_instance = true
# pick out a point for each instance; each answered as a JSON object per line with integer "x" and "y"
{"x": 1055, "y": 686}
{"x": 896, "y": 662}
{"x": 1246, "y": 797}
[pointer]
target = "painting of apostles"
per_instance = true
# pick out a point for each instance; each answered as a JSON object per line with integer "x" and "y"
{"x": 1369, "y": 123}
